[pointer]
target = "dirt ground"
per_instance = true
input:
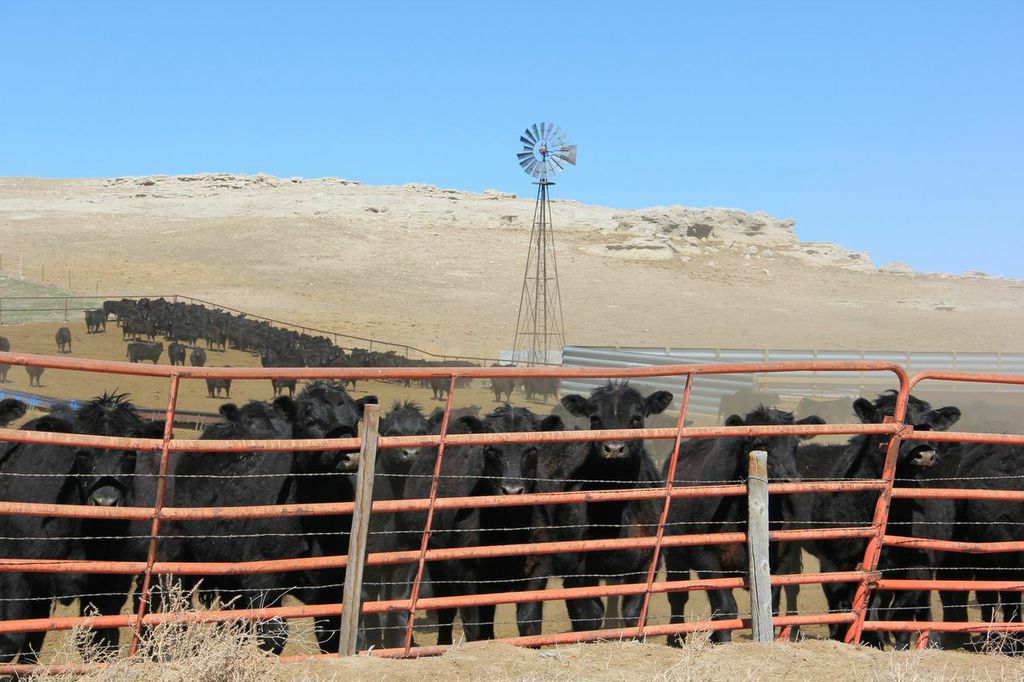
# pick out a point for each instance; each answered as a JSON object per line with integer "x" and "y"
{"x": 697, "y": 661}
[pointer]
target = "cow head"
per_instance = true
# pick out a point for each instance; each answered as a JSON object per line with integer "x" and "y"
{"x": 510, "y": 468}
{"x": 781, "y": 449}
{"x": 11, "y": 409}
{"x": 105, "y": 476}
{"x": 325, "y": 410}
{"x": 406, "y": 419}
{"x": 913, "y": 454}
{"x": 617, "y": 405}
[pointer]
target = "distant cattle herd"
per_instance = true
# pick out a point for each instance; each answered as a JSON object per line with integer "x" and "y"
{"x": 184, "y": 325}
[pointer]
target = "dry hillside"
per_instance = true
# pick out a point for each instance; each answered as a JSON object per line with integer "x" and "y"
{"x": 442, "y": 269}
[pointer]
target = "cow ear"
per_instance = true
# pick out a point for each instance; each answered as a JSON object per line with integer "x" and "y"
{"x": 552, "y": 422}
{"x": 153, "y": 429}
{"x": 474, "y": 424}
{"x": 229, "y": 411}
{"x": 11, "y": 409}
{"x": 734, "y": 420}
{"x": 285, "y": 406}
{"x": 363, "y": 402}
{"x": 435, "y": 420}
{"x": 866, "y": 412}
{"x": 577, "y": 405}
{"x": 656, "y": 403}
{"x": 813, "y": 419}
{"x": 53, "y": 425}
{"x": 944, "y": 417}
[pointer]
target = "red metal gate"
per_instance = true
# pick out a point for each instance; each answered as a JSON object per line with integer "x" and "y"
{"x": 866, "y": 577}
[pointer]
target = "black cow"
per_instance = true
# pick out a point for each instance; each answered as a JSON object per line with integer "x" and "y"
{"x": 603, "y": 465}
{"x": 503, "y": 386}
{"x": 984, "y": 466}
{"x": 47, "y": 473}
{"x": 110, "y": 481}
{"x": 282, "y": 385}
{"x": 5, "y": 347}
{"x": 542, "y": 388}
{"x": 34, "y": 375}
{"x": 140, "y": 350}
{"x": 718, "y": 460}
{"x": 59, "y": 475}
{"x": 324, "y": 410}
{"x": 479, "y": 470}
{"x": 11, "y": 409}
{"x": 95, "y": 321}
{"x": 863, "y": 458}
{"x": 209, "y": 479}
{"x": 390, "y": 478}
{"x": 197, "y": 358}
{"x": 439, "y": 387}
{"x": 215, "y": 386}
{"x": 176, "y": 353}
{"x": 63, "y": 339}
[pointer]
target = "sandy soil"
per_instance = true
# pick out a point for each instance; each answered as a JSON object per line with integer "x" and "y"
{"x": 604, "y": 662}
{"x": 442, "y": 269}
{"x": 631, "y": 661}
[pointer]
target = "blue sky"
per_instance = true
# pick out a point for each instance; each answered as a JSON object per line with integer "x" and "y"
{"x": 892, "y": 127}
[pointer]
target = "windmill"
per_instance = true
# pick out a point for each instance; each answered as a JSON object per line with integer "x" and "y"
{"x": 540, "y": 327}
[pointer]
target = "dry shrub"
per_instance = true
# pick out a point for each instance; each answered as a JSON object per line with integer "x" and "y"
{"x": 173, "y": 652}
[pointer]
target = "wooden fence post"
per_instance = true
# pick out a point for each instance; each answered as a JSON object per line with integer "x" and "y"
{"x": 757, "y": 547}
{"x": 352, "y": 596}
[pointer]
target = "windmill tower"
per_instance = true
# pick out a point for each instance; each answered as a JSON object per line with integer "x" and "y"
{"x": 540, "y": 326}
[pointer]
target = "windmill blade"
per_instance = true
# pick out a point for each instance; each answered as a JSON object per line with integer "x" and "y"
{"x": 567, "y": 154}
{"x": 557, "y": 150}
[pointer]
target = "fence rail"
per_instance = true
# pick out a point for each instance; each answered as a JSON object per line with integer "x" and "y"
{"x": 867, "y": 579}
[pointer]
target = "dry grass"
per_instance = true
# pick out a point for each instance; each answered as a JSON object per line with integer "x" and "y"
{"x": 218, "y": 652}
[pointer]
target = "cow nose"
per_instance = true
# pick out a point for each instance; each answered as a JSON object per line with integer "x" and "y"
{"x": 349, "y": 461}
{"x": 408, "y": 455}
{"x": 616, "y": 449}
{"x": 512, "y": 489}
{"x": 104, "y": 498}
{"x": 925, "y": 458}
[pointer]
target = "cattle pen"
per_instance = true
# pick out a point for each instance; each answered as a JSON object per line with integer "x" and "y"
{"x": 867, "y": 579}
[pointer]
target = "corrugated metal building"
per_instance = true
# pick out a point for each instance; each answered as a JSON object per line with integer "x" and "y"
{"x": 708, "y": 391}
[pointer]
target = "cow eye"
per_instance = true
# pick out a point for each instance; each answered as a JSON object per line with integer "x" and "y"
{"x": 595, "y": 422}
{"x": 637, "y": 422}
